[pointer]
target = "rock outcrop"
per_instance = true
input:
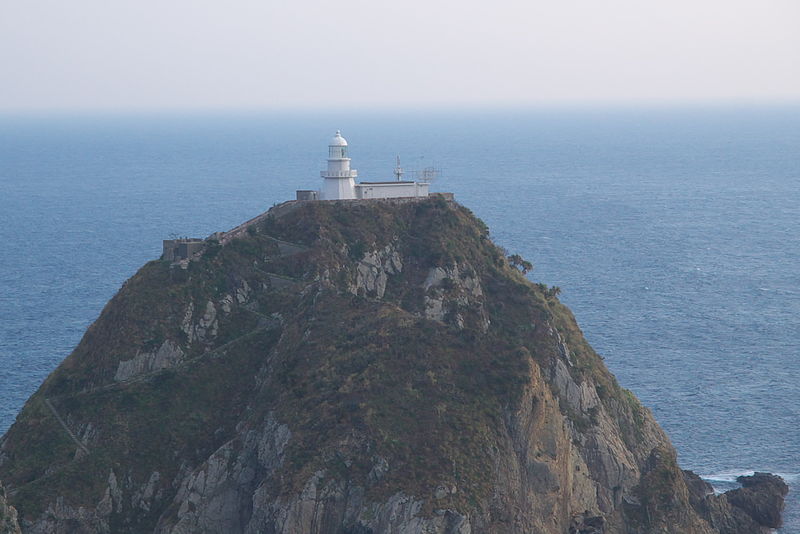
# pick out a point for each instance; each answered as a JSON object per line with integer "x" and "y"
{"x": 167, "y": 355}
{"x": 754, "y": 508}
{"x": 8, "y": 515}
{"x": 350, "y": 367}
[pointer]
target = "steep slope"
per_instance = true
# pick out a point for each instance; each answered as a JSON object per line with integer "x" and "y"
{"x": 345, "y": 367}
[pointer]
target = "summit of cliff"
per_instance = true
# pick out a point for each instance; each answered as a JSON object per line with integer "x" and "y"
{"x": 350, "y": 367}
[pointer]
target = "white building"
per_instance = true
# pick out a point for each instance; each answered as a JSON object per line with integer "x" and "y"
{"x": 339, "y": 180}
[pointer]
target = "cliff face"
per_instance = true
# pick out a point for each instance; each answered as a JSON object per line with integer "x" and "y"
{"x": 8, "y": 515}
{"x": 349, "y": 367}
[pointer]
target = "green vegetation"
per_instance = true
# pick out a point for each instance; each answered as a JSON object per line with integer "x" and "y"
{"x": 518, "y": 262}
{"x": 421, "y": 391}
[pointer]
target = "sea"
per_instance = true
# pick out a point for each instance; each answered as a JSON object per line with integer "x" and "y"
{"x": 673, "y": 233}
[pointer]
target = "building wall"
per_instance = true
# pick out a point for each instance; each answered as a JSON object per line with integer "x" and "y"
{"x": 339, "y": 189}
{"x": 339, "y": 166}
{"x": 187, "y": 249}
{"x": 305, "y": 194}
{"x": 391, "y": 190}
{"x": 180, "y": 249}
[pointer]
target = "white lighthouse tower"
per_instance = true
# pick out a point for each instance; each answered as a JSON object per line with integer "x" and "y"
{"x": 339, "y": 178}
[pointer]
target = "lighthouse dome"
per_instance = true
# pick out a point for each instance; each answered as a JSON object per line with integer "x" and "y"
{"x": 338, "y": 140}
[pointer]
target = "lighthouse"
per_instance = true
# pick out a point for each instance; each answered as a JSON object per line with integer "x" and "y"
{"x": 338, "y": 178}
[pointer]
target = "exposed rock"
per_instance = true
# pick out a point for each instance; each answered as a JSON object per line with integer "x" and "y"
{"x": 168, "y": 355}
{"x": 226, "y": 303}
{"x": 587, "y": 524}
{"x": 186, "y": 324}
{"x": 243, "y": 292}
{"x": 373, "y": 270}
{"x": 760, "y": 497}
{"x": 580, "y": 398}
{"x": 62, "y": 518}
{"x": 453, "y": 293}
{"x": 8, "y": 515}
{"x": 212, "y": 496}
{"x": 754, "y": 508}
{"x": 149, "y": 493}
{"x": 111, "y": 499}
{"x": 379, "y": 469}
{"x": 207, "y": 325}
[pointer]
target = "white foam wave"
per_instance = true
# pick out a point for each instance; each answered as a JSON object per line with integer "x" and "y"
{"x": 731, "y": 476}
{"x": 727, "y": 476}
{"x": 790, "y": 478}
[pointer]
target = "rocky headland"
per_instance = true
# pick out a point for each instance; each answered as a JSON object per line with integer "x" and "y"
{"x": 350, "y": 367}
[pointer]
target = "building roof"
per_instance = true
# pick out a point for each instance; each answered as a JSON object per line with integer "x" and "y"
{"x": 393, "y": 182}
{"x": 338, "y": 140}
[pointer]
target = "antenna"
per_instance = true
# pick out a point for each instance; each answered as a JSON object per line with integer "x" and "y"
{"x": 398, "y": 171}
{"x": 427, "y": 174}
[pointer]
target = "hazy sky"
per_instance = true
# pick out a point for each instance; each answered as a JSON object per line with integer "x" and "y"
{"x": 123, "y": 54}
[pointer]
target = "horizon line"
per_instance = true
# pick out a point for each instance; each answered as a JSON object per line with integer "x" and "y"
{"x": 607, "y": 105}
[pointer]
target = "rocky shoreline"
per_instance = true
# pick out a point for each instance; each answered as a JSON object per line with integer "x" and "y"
{"x": 754, "y": 508}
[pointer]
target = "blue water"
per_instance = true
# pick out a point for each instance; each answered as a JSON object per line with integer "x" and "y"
{"x": 673, "y": 235}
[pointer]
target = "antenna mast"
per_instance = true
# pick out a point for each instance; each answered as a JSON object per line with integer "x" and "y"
{"x": 398, "y": 170}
